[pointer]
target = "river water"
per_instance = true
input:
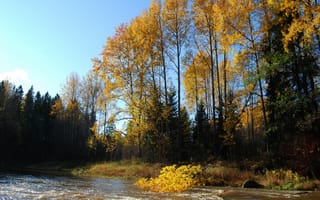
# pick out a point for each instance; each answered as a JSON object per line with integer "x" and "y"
{"x": 22, "y": 186}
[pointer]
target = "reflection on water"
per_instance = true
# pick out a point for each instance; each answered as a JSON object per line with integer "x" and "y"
{"x": 16, "y": 186}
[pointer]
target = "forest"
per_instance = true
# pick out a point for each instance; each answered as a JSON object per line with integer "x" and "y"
{"x": 185, "y": 81}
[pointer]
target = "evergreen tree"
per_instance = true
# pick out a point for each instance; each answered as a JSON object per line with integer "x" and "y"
{"x": 27, "y": 122}
{"x": 155, "y": 141}
{"x": 184, "y": 142}
{"x": 202, "y": 135}
{"x": 179, "y": 133}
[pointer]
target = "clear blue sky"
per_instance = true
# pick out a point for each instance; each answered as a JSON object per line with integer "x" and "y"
{"x": 43, "y": 41}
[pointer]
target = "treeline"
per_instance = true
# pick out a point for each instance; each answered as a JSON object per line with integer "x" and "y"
{"x": 189, "y": 81}
{"x": 74, "y": 126}
{"x": 37, "y": 127}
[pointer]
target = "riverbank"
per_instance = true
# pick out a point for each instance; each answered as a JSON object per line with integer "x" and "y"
{"x": 56, "y": 168}
{"x": 132, "y": 169}
{"x": 215, "y": 174}
{"x": 219, "y": 174}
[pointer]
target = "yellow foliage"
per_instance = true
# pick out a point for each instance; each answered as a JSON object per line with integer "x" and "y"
{"x": 173, "y": 179}
{"x": 305, "y": 20}
{"x": 195, "y": 79}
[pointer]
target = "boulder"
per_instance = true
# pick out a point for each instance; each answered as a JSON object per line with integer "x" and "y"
{"x": 251, "y": 184}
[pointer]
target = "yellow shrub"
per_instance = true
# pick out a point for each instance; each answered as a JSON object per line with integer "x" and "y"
{"x": 173, "y": 179}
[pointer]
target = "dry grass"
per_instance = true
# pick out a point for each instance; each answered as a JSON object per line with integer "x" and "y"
{"x": 311, "y": 185}
{"x": 217, "y": 175}
{"x": 126, "y": 169}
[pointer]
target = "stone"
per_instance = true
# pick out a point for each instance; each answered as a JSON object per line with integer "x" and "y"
{"x": 251, "y": 184}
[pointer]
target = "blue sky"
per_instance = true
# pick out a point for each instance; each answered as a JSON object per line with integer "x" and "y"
{"x": 43, "y": 41}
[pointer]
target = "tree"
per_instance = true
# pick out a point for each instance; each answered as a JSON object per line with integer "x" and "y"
{"x": 10, "y": 118}
{"x": 91, "y": 91}
{"x": 157, "y": 19}
{"x": 57, "y": 135}
{"x": 208, "y": 23}
{"x": 27, "y": 119}
{"x": 155, "y": 139}
{"x": 202, "y": 137}
{"x": 71, "y": 89}
{"x": 177, "y": 22}
{"x": 248, "y": 33}
{"x": 196, "y": 82}
{"x": 179, "y": 134}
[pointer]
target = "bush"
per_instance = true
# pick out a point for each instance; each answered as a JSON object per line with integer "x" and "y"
{"x": 173, "y": 179}
{"x": 284, "y": 179}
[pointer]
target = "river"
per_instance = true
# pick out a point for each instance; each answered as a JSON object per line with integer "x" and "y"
{"x": 22, "y": 186}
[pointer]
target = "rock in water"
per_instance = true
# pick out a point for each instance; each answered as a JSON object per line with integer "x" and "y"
{"x": 251, "y": 184}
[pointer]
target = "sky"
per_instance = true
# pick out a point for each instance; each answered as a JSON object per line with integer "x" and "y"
{"x": 43, "y": 41}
